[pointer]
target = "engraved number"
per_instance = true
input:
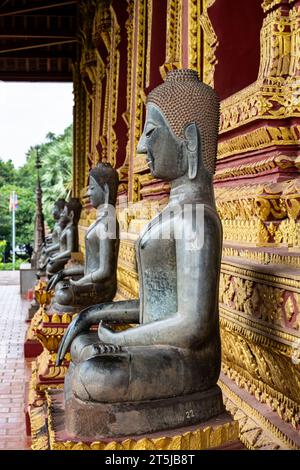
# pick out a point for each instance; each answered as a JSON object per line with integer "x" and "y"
{"x": 190, "y": 414}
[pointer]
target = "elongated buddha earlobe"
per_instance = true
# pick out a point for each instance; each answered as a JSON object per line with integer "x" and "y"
{"x": 193, "y": 148}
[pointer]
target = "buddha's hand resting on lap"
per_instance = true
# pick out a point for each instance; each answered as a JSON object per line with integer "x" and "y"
{"x": 82, "y": 282}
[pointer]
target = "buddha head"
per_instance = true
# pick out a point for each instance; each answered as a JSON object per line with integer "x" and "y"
{"x": 72, "y": 211}
{"x": 103, "y": 185}
{"x": 181, "y": 128}
{"x": 58, "y": 208}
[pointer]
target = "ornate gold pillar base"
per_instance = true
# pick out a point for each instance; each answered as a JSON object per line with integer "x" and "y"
{"x": 47, "y": 329}
{"x": 260, "y": 428}
{"x": 218, "y": 432}
{"x": 32, "y": 347}
{"x": 44, "y": 374}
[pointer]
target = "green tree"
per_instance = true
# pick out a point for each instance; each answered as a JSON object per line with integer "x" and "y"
{"x": 56, "y": 171}
{"x": 24, "y": 214}
{"x": 7, "y": 172}
{"x": 25, "y": 176}
{"x": 56, "y": 181}
{"x": 3, "y": 244}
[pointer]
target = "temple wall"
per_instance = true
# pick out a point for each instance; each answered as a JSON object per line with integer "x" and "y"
{"x": 251, "y": 56}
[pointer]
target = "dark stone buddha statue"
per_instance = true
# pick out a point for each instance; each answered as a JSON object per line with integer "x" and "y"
{"x": 97, "y": 279}
{"x": 51, "y": 245}
{"x": 162, "y": 373}
{"x": 68, "y": 240}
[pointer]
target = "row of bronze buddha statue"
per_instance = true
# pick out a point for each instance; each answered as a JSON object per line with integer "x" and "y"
{"x": 58, "y": 248}
{"x": 161, "y": 372}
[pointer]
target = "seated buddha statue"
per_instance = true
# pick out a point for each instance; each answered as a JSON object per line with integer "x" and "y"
{"x": 96, "y": 281}
{"x": 51, "y": 244}
{"x": 162, "y": 372}
{"x": 68, "y": 240}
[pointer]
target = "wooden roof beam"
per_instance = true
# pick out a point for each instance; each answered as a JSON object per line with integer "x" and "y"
{"x": 31, "y": 9}
{"x": 38, "y": 36}
{"x": 36, "y": 46}
{"x": 36, "y": 76}
{"x": 40, "y": 54}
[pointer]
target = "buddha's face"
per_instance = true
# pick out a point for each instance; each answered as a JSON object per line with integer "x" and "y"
{"x": 95, "y": 193}
{"x": 56, "y": 212}
{"x": 164, "y": 150}
{"x": 65, "y": 216}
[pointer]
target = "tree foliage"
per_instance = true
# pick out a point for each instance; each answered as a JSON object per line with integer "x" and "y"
{"x": 55, "y": 175}
{"x": 7, "y": 172}
{"x": 24, "y": 214}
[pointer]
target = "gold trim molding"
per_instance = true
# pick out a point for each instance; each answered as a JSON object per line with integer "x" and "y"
{"x": 259, "y": 139}
{"x": 259, "y": 359}
{"x": 256, "y": 431}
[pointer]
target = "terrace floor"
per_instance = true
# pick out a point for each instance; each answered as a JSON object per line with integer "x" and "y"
{"x": 13, "y": 368}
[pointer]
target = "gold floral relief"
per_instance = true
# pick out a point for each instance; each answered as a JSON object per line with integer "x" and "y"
{"x": 261, "y": 213}
{"x": 273, "y": 304}
{"x": 262, "y": 366}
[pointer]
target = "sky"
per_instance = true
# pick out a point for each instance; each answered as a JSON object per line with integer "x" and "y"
{"x": 28, "y": 111}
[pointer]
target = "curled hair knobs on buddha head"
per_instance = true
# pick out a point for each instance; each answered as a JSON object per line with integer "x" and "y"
{"x": 184, "y": 99}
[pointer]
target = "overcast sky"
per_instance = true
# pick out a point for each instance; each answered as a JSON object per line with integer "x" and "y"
{"x": 28, "y": 111}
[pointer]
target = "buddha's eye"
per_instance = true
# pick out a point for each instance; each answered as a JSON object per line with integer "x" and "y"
{"x": 149, "y": 131}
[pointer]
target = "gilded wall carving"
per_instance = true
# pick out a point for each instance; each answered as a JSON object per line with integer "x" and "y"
{"x": 263, "y": 367}
{"x": 210, "y": 44}
{"x": 273, "y": 303}
{"x": 261, "y": 214}
{"x": 80, "y": 151}
{"x": 106, "y": 30}
{"x": 267, "y": 5}
{"x": 275, "y": 94}
{"x": 259, "y": 139}
{"x": 273, "y": 256}
{"x": 173, "y": 37}
{"x": 256, "y": 431}
{"x": 195, "y": 36}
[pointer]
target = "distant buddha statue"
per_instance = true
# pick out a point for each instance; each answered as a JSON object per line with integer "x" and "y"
{"x": 162, "y": 373}
{"x": 52, "y": 240}
{"x": 97, "y": 278}
{"x": 51, "y": 244}
{"x": 68, "y": 239}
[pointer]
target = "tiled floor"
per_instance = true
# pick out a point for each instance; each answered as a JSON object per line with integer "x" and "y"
{"x": 13, "y": 369}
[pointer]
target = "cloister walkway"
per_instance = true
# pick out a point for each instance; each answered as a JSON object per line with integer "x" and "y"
{"x": 13, "y": 368}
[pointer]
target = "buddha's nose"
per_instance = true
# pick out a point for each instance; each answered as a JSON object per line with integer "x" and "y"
{"x": 87, "y": 194}
{"x": 142, "y": 145}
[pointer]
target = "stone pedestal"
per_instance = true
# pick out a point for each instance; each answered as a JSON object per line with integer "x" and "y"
{"x": 96, "y": 420}
{"x": 27, "y": 278}
{"x": 34, "y": 306}
{"x": 211, "y": 434}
